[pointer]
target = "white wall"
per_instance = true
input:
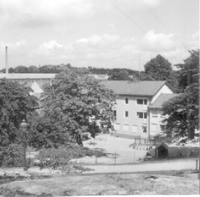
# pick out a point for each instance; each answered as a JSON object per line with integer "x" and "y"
{"x": 156, "y": 121}
{"x": 164, "y": 90}
{"x": 131, "y": 124}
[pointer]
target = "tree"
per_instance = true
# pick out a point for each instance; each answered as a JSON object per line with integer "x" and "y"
{"x": 15, "y": 105}
{"x": 21, "y": 69}
{"x": 183, "y": 109}
{"x": 120, "y": 75}
{"x": 33, "y": 69}
{"x": 72, "y": 103}
{"x": 158, "y": 68}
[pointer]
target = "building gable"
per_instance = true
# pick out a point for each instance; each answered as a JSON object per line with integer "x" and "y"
{"x": 134, "y": 88}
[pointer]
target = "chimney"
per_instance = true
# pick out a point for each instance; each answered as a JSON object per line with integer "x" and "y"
{"x": 6, "y": 61}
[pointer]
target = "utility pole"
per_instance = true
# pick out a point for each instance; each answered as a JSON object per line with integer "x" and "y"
{"x": 139, "y": 67}
{"x": 199, "y": 125}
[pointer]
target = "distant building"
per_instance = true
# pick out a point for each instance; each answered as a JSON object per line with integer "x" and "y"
{"x": 40, "y": 78}
{"x": 99, "y": 77}
{"x": 138, "y": 110}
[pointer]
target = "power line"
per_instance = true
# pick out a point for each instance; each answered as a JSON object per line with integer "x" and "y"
{"x": 128, "y": 17}
{"x": 163, "y": 24}
{"x": 143, "y": 30}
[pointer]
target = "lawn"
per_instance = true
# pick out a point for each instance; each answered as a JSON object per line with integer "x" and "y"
{"x": 168, "y": 183}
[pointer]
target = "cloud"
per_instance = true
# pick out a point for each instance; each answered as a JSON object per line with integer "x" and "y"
{"x": 98, "y": 41}
{"x": 50, "y": 48}
{"x": 44, "y": 12}
{"x": 51, "y": 45}
{"x": 152, "y": 3}
{"x": 13, "y": 44}
{"x": 158, "y": 42}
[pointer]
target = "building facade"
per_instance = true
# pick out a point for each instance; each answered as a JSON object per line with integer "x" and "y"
{"x": 133, "y": 113}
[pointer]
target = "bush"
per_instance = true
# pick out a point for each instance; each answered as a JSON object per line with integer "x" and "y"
{"x": 58, "y": 158}
{"x": 11, "y": 156}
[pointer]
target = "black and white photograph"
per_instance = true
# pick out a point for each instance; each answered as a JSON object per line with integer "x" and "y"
{"x": 99, "y": 97}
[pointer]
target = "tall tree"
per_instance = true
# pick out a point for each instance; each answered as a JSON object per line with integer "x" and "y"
{"x": 183, "y": 109}
{"x": 158, "y": 68}
{"x": 15, "y": 105}
{"x": 73, "y": 103}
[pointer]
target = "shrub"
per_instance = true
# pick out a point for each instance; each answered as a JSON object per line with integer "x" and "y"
{"x": 58, "y": 158}
{"x": 11, "y": 156}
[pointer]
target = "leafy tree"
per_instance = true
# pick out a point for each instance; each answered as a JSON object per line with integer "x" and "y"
{"x": 72, "y": 103}
{"x": 158, "y": 68}
{"x": 145, "y": 77}
{"x": 120, "y": 75}
{"x": 11, "y": 70}
{"x": 33, "y": 69}
{"x": 15, "y": 105}
{"x": 46, "y": 69}
{"x": 183, "y": 109}
{"x": 21, "y": 69}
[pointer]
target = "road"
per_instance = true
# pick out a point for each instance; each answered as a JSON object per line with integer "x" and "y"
{"x": 183, "y": 164}
{"x": 167, "y": 165}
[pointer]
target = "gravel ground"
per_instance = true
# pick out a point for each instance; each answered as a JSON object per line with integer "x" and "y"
{"x": 112, "y": 145}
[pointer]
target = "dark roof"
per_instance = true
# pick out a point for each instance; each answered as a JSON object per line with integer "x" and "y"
{"x": 140, "y": 88}
{"x": 160, "y": 100}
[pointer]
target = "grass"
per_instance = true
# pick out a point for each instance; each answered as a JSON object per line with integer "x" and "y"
{"x": 151, "y": 183}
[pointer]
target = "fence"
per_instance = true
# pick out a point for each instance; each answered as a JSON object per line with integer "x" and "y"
{"x": 142, "y": 143}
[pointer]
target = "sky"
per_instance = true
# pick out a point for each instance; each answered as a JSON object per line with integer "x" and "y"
{"x": 97, "y": 33}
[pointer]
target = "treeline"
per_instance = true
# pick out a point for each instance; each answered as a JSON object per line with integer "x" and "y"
{"x": 157, "y": 68}
{"x": 40, "y": 69}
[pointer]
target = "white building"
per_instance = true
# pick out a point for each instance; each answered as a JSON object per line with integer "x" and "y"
{"x": 139, "y": 107}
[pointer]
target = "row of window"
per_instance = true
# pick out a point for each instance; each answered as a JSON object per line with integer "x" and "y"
{"x": 133, "y": 128}
{"x": 139, "y": 101}
{"x": 140, "y": 115}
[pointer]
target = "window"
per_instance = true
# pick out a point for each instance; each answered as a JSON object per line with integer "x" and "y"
{"x": 139, "y": 114}
{"x": 153, "y": 127}
{"x": 144, "y": 129}
{"x": 115, "y": 113}
{"x": 125, "y": 127}
{"x": 142, "y": 115}
{"x": 117, "y": 126}
{"x": 126, "y": 113}
{"x": 142, "y": 101}
{"x": 154, "y": 114}
{"x": 126, "y": 100}
{"x": 162, "y": 127}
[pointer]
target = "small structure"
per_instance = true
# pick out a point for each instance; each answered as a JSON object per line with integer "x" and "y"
{"x": 164, "y": 150}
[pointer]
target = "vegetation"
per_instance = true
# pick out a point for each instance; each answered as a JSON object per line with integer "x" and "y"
{"x": 148, "y": 183}
{"x": 74, "y": 104}
{"x": 183, "y": 109}
{"x": 15, "y": 105}
{"x": 40, "y": 69}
